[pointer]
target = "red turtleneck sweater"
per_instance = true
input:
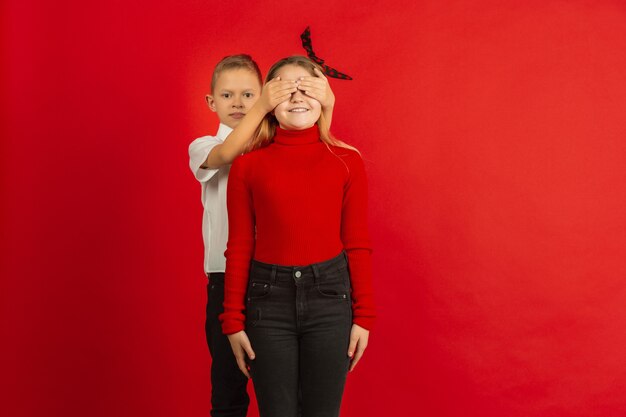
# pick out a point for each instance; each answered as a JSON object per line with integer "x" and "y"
{"x": 308, "y": 201}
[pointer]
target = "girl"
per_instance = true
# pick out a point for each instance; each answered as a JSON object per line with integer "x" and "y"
{"x": 240, "y": 103}
{"x": 298, "y": 257}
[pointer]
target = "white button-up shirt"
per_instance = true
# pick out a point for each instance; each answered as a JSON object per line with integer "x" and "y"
{"x": 213, "y": 182}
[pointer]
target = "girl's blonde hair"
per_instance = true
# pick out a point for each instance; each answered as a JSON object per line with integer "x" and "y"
{"x": 264, "y": 134}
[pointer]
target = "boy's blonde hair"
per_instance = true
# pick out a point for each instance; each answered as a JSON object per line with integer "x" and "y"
{"x": 264, "y": 134}
{"x": 241, "y": 61}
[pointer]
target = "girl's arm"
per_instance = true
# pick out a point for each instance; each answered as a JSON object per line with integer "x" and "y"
{"x": 240, "y": 245}
{"x": 355, "y": 238}
{"x": 274, "y": 92}
{"x": 239, "y": 252}
{"x": 356, "y": 241}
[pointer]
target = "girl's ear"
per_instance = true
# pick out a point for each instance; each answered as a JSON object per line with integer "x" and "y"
{"x": 210, "y": 101}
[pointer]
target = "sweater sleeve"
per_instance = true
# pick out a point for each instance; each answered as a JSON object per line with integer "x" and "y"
{"x": 356, "y": 241}
{"x": 240, "y": 247}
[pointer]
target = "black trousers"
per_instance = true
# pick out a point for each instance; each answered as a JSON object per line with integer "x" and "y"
{"x": 229, "y": 397}
{"x": 298, "y": 320}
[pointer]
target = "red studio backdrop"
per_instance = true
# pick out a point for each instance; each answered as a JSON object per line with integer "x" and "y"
{"x": 493, "y": 134}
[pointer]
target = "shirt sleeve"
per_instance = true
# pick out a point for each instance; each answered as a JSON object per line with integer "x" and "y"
{"x": 199, "y": 150}
{"x": 356, "y": 241}
{"x": 240, "y": 246}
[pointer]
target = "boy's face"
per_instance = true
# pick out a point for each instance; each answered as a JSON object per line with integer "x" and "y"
{"x": 235, "y": 92}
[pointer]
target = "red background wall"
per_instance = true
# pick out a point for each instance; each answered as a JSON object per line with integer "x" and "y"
{"x": 494, "y": 138}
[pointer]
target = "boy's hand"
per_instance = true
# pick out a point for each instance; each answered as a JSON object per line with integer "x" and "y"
{"x": 240, "y": 344}
{"x": 318, "y": 88}
{"x": 358, "y": 343}
{"x": 275, "y": 91}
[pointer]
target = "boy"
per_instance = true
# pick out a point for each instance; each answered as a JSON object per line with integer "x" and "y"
{"x": 241, "y": 103}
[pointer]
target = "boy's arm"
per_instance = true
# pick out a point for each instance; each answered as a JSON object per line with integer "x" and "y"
{"x": 319, "y": 88}
{"x": 274, "y": 92}
{"x": 198, "y": 151}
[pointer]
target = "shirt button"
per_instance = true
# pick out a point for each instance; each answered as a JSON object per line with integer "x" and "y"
{"x": 298, "y": 274}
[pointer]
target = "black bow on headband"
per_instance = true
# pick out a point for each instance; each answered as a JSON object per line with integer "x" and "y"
{"x": 306, "y": 44}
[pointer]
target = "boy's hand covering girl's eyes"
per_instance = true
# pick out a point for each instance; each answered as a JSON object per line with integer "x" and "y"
{"x": 318, "y": 88}
{"x": 358, "y": 343}
{"x": 241, "y": 346}
{"x": 275, "y": 91}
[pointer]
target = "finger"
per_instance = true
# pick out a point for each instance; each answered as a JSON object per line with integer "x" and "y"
{"x": 313, "y": 92}
{"x": 352, "y": 346}
{"x": 279, "y": 96}
{"x": 312, "y": 82}
{"x": 319, "y": 73}
{"x": 279, "y": 99}
{"x": 279, "y": 84}
{"x": 314, "y": 95}
{"x": 284, "y": 89}
{"x": 247, "y": 347}
{"x": 241, "y": 361}
{"x": 276, "y": 84}
{"x": 269, "y": 83}
{"x": 360, "y": 349}
{"x": 243, "y": 367}
{"x": 357, "y": 356}
{"x": 311, "y": 88}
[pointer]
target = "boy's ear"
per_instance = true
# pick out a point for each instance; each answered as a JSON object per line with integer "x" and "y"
{"x": 210, "y": 101}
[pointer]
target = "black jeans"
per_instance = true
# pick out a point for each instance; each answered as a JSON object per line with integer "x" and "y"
{"x": 229, "y": 397}
{"x": 298, "y": 320}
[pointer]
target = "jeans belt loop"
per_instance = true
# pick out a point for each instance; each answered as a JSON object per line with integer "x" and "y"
{"x": 316, "y": 273}
{"x": 273, "y": 277}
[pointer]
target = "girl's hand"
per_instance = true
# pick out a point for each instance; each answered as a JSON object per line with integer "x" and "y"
{"x": 240, "y": 344}
{"x": 358, "y": 343}
{"x": 274, "y": 92}
{"x": 318, "y": 88}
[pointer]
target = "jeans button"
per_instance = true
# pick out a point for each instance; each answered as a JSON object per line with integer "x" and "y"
{"x": 298, "y": 274}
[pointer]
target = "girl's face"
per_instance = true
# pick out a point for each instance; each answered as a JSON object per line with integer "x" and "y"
{"x": 299, "y": 111}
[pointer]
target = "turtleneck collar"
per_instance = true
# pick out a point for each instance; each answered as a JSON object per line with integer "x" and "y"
{"x": 297, "y": 137}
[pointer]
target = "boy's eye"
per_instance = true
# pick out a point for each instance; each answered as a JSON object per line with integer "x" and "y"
{"x": 226, "y": 95}
{"x": 248, "y": 95}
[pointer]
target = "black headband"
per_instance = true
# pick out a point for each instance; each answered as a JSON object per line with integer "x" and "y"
{"x": 306, "y": 44}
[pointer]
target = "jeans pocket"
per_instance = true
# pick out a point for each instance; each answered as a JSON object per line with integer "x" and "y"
{"x": 333, "y": 290}
{"x": 258, "y": 290}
